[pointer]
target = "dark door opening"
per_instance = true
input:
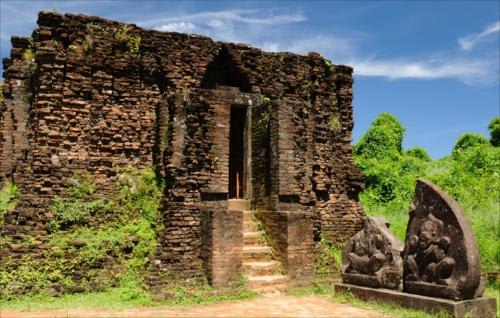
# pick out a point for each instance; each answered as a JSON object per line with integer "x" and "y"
{"x": 236, "y": 152}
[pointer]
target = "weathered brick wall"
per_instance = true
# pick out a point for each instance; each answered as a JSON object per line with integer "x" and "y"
{"x": 94, "y": 106}
{"x": 290, "y": 234}
{"x": 222, "y": 233}
{"x": 14, "y": 114}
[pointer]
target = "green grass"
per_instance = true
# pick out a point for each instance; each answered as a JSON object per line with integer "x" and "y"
{"x": 117, "y": 298}
{"x": 493, "y": 290}
{"x": 109, "y": 299}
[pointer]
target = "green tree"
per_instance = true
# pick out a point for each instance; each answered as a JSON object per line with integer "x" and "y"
{"x": 383, "y": 139}
{"x": 468, "y": 140}
{"x": 418, "y": 152}
{"x": 494, "y": 128}
{"x": 389, "y": 173}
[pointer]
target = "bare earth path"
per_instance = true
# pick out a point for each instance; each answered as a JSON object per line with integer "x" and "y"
{"x": 277, "y": 306}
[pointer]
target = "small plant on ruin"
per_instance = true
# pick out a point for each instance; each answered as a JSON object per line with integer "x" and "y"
{"x": 9, "y": 194}
{"x": 72, "y": 48}
{"x": 265, "y": 99}
{"x": 263, "y": 238}
{"x": 28, "y": 54}
{"x": 263, "y": 122}
{"x": 335, "y": 125}
{"x": 131, "y": 42}
{"x": 329, "y": 64}
{"x": 89, "y": 39}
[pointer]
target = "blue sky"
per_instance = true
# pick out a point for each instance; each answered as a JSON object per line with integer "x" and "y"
{"x": 435, "y": 65}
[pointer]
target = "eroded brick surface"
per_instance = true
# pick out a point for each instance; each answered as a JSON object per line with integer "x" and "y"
{"x": 87, "y": 104}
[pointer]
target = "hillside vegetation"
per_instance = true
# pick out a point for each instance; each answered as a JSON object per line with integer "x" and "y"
{"x": 470, "y": 175}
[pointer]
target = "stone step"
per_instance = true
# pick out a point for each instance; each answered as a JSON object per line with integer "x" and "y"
{"x": 248, "y": 215}
{"x": 261, "y": 268}
{"x": 267, "y": 283}
{"x": 251, "y": 238}
{"x": 249, "y": 226}
{"x": 257, "y": 253}
{"x": 271, "y": 291}
{"x": 239, "y": 204}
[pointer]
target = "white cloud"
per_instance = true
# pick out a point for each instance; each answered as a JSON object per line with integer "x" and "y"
{"x": 469, "y": 42}
{"x": 468, "y": 70}
{"x": 182, "y": 27}
{"x": 215, "y": 23}
{"x": 326, "y": 44}
{"x": 252, "y": 26}
{"x": 242, "y": 16}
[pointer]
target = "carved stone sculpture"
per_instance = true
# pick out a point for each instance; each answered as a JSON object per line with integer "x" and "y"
{"x": 372, "y": 256}
{"x": 441, "y": 257}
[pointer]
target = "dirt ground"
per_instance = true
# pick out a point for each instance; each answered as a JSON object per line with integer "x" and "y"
{"x": 271, "y": 306}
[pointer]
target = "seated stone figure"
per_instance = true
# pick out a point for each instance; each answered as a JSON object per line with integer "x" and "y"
{"x": 430, "y": 248}
{"x": 372, "y": 256}
{"x": 440, "y": 257}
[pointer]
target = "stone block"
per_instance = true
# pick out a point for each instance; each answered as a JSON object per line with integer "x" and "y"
{"x": 482, "y": 307}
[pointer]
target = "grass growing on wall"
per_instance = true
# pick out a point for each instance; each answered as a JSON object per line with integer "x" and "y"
{"x": 112, "y": 251}
{"x": 109, "y": 241}
{"x": 9, "y": 194}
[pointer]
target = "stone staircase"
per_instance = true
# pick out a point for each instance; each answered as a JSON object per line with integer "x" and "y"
{"x": 262, "y": 270}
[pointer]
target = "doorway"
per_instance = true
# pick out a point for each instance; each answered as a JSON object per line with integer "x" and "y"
{"x": 237, "y": 152}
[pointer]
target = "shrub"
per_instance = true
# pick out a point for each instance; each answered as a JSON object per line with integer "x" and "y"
{"x": 494, "y": 128}
{"x": 383, "y": 139}
{"x": 78, "y": 205}
{"x": 468, "y": 140}
{"x": 419, "y": 153}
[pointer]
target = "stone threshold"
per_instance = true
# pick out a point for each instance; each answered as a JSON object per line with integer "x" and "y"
{"x": 482, "y": 307}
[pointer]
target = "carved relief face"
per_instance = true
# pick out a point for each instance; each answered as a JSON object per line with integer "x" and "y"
{"x": 428, "y": 233}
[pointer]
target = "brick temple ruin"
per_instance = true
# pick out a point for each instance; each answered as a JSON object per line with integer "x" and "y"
{"x": 234, "y": 132}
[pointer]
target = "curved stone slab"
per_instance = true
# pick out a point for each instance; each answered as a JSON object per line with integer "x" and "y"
{"x": 441, "y": 258}
{"x": 372, "y": 256}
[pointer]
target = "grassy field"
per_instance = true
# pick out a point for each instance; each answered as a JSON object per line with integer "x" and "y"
{"x": 113, "y": 299}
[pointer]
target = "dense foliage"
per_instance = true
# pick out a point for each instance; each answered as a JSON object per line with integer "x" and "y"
{"x": 94, "y": 243}
{"x": 468, "y": 140}
{"x": 494, "y": 128}
{"x": 470, "y": 175}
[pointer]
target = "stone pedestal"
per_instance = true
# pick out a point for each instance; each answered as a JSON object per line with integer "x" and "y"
{"x": 481, "y": 307}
